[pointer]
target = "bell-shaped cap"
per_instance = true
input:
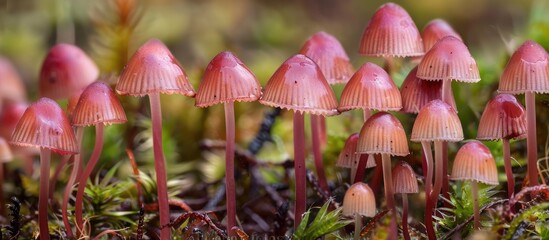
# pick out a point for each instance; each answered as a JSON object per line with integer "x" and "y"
{"x": 449, "y": 59}
{"x": 383, "y": 133}
{"x": 370, "y": 88}
{"x": 98, "y": 105}
{"x": 66, "y": 70}
{"x": 299, "y": 85}
{"x": 404, "y": 178}
{"x": 436, "y": 30}
{"x": 12, "y": 87}
{"x": 348, "y": 157}
{"x": 5, "y": 151}
{"x": 10, "y": 115}
{"x": 153, "y": 69}
{"x": 45, "y": 125}
{"x": 359, "y": 199}
{"x": 416, "y": 92}
{"x": 474, "y": 162}
{"x": 503, "y": 118}
{"x": 437, "y": 121}
{"x": 326, "y": 51}
{"x": 391, "y": 32}
{"x": 526, "y": 71}
{"x": 227, "y": 79}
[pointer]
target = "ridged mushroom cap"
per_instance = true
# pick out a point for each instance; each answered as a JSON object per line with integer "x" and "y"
{"x": 503, "y": 118}
{"x": 391, "y": 32}
{"x": 153, "y": 69}
{"x": 370, "y": 88}
{"x": 526, "y": 71}
{"x": 359, "y": 199}
{"x": 348, "y": 157}
{"x": 437, "y": 121}
{"x": 436, "y": 30}
{"x": 12, "y": 88}
{"x": 326, "y": 51}
{"x": 416, "y": 92}
{"x": 299, "y": 85}
{"x": 449, "y": 59}
{"x": 227, "y": 79}
{"x": 383, "y": 133}
{"x": 66, "y": 70}
{"x": 45, "y": 125}
{"x": 98, "y": 105}
{"x": 5, "y": 151}
{"x": 474, "y": 162}
{"x": 404, "y": 178}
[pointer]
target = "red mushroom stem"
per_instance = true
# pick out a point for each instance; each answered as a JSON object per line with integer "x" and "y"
{"x": 531, "y": 140}
{"x": 357, "y": 173}
{"x": 508, "y": 168}
{"x": 70, "y": 184}
{"x": 433, "y": 197}
{"x": 53, "y": 181}
{"x": 299, "y": 168}
{"x": 230, "y": 191}
{"x": 428, "y": 170}
{"x": 317, "y": 152}
{"x": 45, "y": 155}
{"x": 405, "y": 231}
{"x": 389, "y": 193}
{"x": 447, "y": 97}
{"x": 474, "y": 189}
{"x": 358, "y": 226}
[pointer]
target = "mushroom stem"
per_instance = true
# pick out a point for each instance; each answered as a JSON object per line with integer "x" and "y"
{"x": 70, "y": 184}
{"x": 229, "y": 167}
{"x": 389, "y": 195}
{"x": 53, "y": 181}
{"x": 405, "y": 231}
{"x": 378, "y": 173}
{"x": 357, "y": 174}
{"x": 358, "y": 226}
{"x": 299, "y": 168}
{"x": 45, "y": 155}
{"x": 160, "y": 166}
{"x": 474, "y": 189}
{"x": 317, "y": 152}
{"x": 390, "y": 66}
{"x": 433, "y": 197}
{"x": 428, "y": 171}
{"x": 531, "y": 140}
{"x": 448, "y": 97}
{"x": 508, "y": 168}
{"x": 94, "y": 158}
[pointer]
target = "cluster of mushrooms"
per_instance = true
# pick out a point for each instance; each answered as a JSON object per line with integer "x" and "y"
{"x": 301, "y": 84}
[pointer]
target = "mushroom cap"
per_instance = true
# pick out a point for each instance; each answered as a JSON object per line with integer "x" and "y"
{"x": 348, "y": 157}
{"x": 153, "y": 69}
{"x": 416, "y": 92}
{"x": 474, "y": 162}
{"x": 404, "y": 178}
{"x": 503, "y": 118}
{"x": 12, "y": 88}
{"x": 526, "y": 71}
{"x": 10, "y": 115}
{"x": 299, "y": 85}
{"x": 383, "y": 133}
{"x": 326, "y": 51}
{"x": 98, "y": 105}
{"x": 449, "y": 59}
{"x": 227, "y": 79}
{"x": 5, "y": 151}
{"x": 436, "y": 30}
{"x": 391, "y": 32}
{"x": 370, "y": 88}
{"x": 66, "y": 70}
{"x": 437, "y": 121}
{"x": 359, "y": 199}
{"x": 45, "y": 125}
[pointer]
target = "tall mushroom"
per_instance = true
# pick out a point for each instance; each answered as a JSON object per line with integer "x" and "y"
{"x": 359, "y": 200}
{"x": 44, "y": 125}
{"x": 225, "y": 81}
{"x": 404, "y": 182}
{"x": 153, "y": 70}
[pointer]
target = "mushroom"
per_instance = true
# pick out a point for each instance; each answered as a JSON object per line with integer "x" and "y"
{"x": 436, "y": 30}
{"x": 359, "y": 200}
{"x": 5, "y": 156}
{"x": 225, "y": 81}
{"x": 10, "y": 115}
{"x": 404, "y": 182}
{"x": 13, "y": 88}
{"x": 348, "y": 158}
{"x": 475, "y": 163}
{"x": 44, "y": 125}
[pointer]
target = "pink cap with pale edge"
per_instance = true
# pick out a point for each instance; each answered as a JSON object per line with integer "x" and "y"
{"x": 359, "y": 199}
{"x": 391, "y": 32}
{"x": 45, "y": 125}
{"x": 5, "y": 151}
{"x": 370, "y": 88}
{"x": 66, "y": 70}
{"x": 153, "y": 69}
{"x": 383, "y": 133}
{"x": 13, "y": 87}
{"x": 526, "y": 71}
{"x": 436, "y": 30}
{"x": 348, "y": 157}
{"x": 474, "y": 162}
{"x": 299, "y": 85}
{"x": 449, "y": 59}
{"x": 437, "y": 121}
{"x": 404, "y": 178}
{"x": 503, "y": 118}
{"x": 98, "y": 105}
{"x": 326, "y": 51}
{"x": 416, "y": 93}
{"x": 227, "y": 79}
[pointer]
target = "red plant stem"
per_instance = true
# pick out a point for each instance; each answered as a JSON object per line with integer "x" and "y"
{"x": 70, "y": 184}
{"x": 323, "y": 132}
{"x": 433, "y": 197}
{"x": 445, "y": 178}
{"x": 363, "y": 160}
{"x": 160, "y": 165}
{"x": 405, "y": 231}
{"x": 53, "y": 181}
{"x": 531, "y": 140}
{"x": 317, "y": 152}
{"x": 137, "y": 177}
{"x": 230, "y": 191}
{"x": 90, "y": 165}
{"x": 476, "y": 210}
{"x": 389, "y": 193}
{"x": 429, "y": 166}
{"x": 378, "y": 173}
{"x": 358, "y": 226}
{"x": 45, "y": 155}
{"x": 508, "y": 168}
{"x": 299, "y": 168}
